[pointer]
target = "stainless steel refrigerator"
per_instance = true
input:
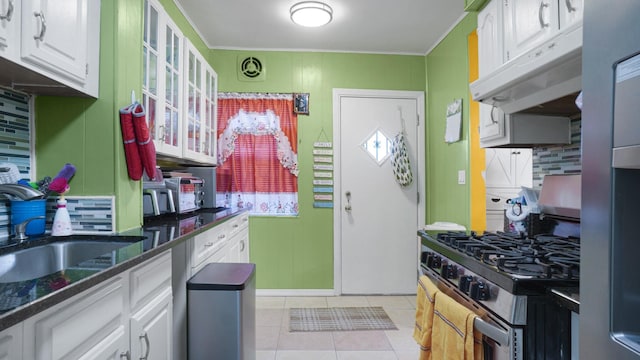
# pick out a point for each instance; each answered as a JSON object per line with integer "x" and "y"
{"x": 610, "y": 241}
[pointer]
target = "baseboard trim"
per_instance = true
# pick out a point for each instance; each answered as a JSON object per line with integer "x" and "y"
{"x": 296, "y": 292}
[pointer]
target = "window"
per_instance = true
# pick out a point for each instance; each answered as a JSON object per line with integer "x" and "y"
{"x": 257, "y": 153}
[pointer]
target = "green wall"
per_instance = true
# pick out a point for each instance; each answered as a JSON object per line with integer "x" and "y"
{"x": 448, "y": 79}
{"x": 297, "y": 252}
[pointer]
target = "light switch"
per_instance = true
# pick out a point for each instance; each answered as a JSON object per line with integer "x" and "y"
{"x": 461, "y": 177}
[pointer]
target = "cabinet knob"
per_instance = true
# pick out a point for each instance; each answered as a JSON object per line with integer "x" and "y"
{"x": 125, "y": 355}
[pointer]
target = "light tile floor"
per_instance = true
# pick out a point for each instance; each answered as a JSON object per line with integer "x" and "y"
{"x": 275, "y": 342}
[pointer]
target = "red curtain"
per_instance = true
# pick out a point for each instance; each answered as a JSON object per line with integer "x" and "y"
{"x": 257, "y": 149}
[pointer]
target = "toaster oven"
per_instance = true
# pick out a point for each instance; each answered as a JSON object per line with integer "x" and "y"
{"x": 188, "y": 193}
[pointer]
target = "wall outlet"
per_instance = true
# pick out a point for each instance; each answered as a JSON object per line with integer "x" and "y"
{"x": 462, "y": 177}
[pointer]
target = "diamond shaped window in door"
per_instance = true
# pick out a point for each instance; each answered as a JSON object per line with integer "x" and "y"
{"x": 378, "y": 146}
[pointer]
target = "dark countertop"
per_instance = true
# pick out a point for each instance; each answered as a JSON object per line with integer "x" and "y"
{"x": 567, "y": 297}
{"x": 21, "y": 300}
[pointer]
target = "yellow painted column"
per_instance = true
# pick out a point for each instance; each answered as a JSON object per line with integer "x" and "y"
{"x": 476, "y": 154}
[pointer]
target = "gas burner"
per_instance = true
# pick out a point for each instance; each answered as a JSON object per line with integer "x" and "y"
{"x": 543, "y": 256}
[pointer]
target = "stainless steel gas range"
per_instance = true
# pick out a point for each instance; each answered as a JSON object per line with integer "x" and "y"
{"x": 507, "y": 279}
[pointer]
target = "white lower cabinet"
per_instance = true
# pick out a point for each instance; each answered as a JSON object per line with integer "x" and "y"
{"x": 87, "y": 326}
{"x": 209, "y": 246}
{"x": 151, "y": 329}
{"x": 239, "y": 239}
{"x": 151, "y": 305}
{"x": 127, "y": 317}
{"x": 11, "y": 343}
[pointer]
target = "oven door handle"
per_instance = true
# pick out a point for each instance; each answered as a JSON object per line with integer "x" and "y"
{"x": 498, "y": 335}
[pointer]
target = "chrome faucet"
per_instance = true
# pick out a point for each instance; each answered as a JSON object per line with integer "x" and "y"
{"x": 21, "y": 191}
{"x": 21, "y": 229}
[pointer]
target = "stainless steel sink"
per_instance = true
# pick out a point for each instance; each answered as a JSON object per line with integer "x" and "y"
{"x": 39, "y": 261}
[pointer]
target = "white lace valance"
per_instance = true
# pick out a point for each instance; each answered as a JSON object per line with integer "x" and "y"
{"x": 258, "y": 124}
{"x": 254, "y": 96}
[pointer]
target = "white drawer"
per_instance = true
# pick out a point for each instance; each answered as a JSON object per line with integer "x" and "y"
{"x": 207, "y": 243}
{"x": 72, "y": 328}
{"x": 497, "y": 197}
{"x": 238, "y": 223}
{"x": 150, "y": 279}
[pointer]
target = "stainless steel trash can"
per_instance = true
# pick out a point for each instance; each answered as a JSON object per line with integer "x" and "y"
{"x": 221, "y": 312}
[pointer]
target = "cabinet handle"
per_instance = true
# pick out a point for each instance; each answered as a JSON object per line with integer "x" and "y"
{"x": 347, "y": 207}
{"x": 125, "y": 355}
{"x": 493, "y": 120}
{"x": 43, "y": 27}
{"x": 221, "y": 236}
{"x": 9, "y": 13}
{"x": 161, "y": 133}
{"x": 495, "y": 200}
{"x": 235, "y": 226}
{"x": 209, "y": 244}
{"x": 570, "y": 7}
{"x": 146, "y": 341}
{"x": 540, "y": 14}
{"x": 241, "y": 245}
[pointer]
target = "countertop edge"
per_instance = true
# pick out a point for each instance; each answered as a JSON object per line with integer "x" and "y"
{"x": 22, "y": 313}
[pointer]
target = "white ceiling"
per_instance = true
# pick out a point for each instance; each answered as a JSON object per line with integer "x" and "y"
{"x": 370, "y": 26}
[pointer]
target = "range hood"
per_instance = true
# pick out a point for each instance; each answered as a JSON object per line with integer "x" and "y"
{"x": 561, "y": 196}
{"x": 547, "y": 72}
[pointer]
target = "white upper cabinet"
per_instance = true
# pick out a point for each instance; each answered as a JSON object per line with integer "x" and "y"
{"x": 179, "y": 90}
{"x": 201, "y": 86}
{"x": 51, "y": 46}
{"x": 490, "y": 57}
{"x": 570, "y": 12}
{"x": 46, "y": 29}
{"x": 528, "y": 23}
{"x": 492, "y": 122}
{"x": 9, "y": 28}
{"x": 490, "y": 38}
{"x": 162, "y": 79}
{"x": 63, "y": 37}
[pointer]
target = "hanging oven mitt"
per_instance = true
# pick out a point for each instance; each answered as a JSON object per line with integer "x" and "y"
{"x": 131, "y": 153}
{"x": 400, "y": 161}
{"x": 143, "y": 138}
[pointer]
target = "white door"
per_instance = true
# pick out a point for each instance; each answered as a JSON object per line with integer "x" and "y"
{"x": 376, "y": 219}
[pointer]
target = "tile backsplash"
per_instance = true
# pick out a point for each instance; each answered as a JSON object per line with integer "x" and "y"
{"x": 89, "y": 214}
{"x": 562, "y": 159}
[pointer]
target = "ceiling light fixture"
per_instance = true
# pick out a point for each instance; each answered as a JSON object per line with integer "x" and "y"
{"x": 311, "y": 13}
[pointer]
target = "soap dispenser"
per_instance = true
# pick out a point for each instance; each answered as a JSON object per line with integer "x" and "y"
{"x": 61, "y": 220}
